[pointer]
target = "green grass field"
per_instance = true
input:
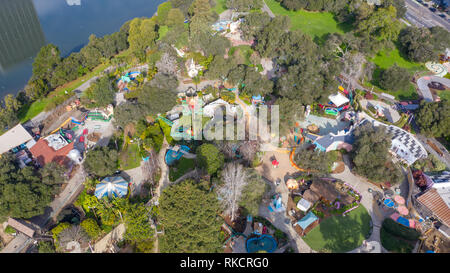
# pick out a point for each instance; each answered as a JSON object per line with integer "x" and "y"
{"x": 387, "y": 58}
{"x": 316, "y": 24}
{"x": 133, "y": 159}
{"x": 220, "y": 6}
{"x": 340, "y": 234}
{"x": 180, "y": 168}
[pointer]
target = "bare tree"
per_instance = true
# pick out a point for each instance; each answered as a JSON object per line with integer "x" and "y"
{"x": 73, "y": 233}
{"x": 167, "y": 64}
{"x": 248, "y": 150}
{"x": 354, "y": 64}
{"x": 234, "y": 178}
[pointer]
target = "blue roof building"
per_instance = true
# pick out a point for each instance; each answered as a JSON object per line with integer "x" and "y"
{"x": 115, "y": 186}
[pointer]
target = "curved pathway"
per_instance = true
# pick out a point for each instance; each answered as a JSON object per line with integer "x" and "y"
{"x": 367, "y": 200}
{"x": 424, "y": 90}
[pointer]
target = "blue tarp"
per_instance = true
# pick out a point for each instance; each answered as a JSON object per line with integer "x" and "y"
{"x": 403, "y": 221}
{"x": 112, "y": 186}
{"x": 389, "y": 203}
{"x": 307, "y": 220}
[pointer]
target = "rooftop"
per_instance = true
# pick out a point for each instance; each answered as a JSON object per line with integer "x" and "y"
{"x": 434, "y": 202}
{"x": 13, "y": 138}
{"x": 45, "y": 154}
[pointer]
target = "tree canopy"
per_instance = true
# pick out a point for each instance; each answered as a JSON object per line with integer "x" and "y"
{"x": 434, "y": 119}
{"x": 189, "y": 216}
{"x": 101, "y": 161}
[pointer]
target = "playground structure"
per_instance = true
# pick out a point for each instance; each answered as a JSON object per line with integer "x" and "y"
{"x": 122, "y": 83}
{"x": 338, "y": 102}
{"x": 101, "y": 115}
{"x": 71, "y": 119}
{"x": 175, "y": 153}
{"x": 264, "y": 242}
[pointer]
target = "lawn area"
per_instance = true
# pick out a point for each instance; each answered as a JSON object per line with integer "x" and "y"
{"x": 387, "y": 58}
{"x": 182, "y": 167}
{"x": 220, "y": 6}
{"x": 162, "y": 31}
{"x": 340, "y": 234}
{"x": 316, "y": 24}
{"x": 130, "y": 158}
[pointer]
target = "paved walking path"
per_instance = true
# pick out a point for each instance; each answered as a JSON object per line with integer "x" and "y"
{"x": 367, "y": 199}
{"x": 423, "y": 82}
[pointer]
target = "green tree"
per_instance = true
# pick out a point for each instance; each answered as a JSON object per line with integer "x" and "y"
{"x": 45, "y": 62}
{"x": 382, "y": 23}
{"x": 210, "y": 158}
{"x": 101, "y": 161}
{"x": 371, "y": 155}
{"x": 188, "y": 214}
{"x": 22, "y": 193}
{"x": 163, "y": 12}
{"x": 395, "y": 78}
{"x": 175, "y": 18}
{"x": 46, "y": 247}
{"x": 244, "y": 5}
{"x": 101, "y": 92}
{"x": 253, "y": 192}
{"x": 142, "y": 36}
{"x": 91, "y": 227}
{"x": 434, "y": 119}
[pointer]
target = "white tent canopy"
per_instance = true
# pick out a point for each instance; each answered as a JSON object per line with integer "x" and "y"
{"x": 338, "y": 99}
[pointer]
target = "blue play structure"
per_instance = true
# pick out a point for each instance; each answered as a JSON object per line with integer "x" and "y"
{"x": 403, "y": 221}
{"x": 262, "y": 243}
{"x": 173, "y": 156}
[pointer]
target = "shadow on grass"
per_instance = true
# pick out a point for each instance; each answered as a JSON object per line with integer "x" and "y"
{"x": 343, "y": 233}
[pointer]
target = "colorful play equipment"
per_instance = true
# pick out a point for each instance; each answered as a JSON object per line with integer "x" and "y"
{"x": 256, "y": 100}
{"x": 175, "y": 153}
{"x": 264, "y": 242}
{"x": 331, "y": 111}
{"x": 298, "y": 134}
{"x": 389, "y": 203}
{"x": 99, "y": 116}
{"x": 403, "y": 221}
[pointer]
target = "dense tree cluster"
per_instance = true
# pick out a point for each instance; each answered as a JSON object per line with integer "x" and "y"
{"x": 189, "y": 216}
{"x": 423, "y": 44}
{"x": 315, "y": 5}
{"x": 371, "y": 155}
{"x": 210, "y": 158}
{"x": 395, "y": 78}
{"x": 244, "y": 5}
{"x": 101, "y": 161}
{"x": 434, "y": 119}
{"x": 25, "y": 193}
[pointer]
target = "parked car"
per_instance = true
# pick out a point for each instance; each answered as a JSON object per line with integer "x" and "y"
{"x": 432, "y": 9}
{"x": 420, "y": 1}
{"x": 442, "y": 15}
{"x": 425, "y": 4}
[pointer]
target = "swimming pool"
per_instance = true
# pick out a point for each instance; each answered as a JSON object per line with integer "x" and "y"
{"x": 262, "y": 243}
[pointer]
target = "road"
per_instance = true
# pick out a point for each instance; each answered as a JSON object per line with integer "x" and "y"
{"x": 421, "y": 16}
{"x": 267, "y": 9}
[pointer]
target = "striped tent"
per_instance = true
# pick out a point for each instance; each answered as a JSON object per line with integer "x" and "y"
{"x": 112, "y": 186}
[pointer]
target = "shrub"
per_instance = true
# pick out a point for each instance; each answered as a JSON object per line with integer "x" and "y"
{"x": 398, "y": 230}
{"x": 10, "y": 230}
{"x": 91, "y": 227}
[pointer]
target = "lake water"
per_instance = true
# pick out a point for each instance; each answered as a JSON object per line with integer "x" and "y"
{"x": 27, "y": 25}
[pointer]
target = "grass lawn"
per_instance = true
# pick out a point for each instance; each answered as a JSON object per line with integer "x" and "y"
{"x": 340, "y": 234}
{"x": 387, "y": 58}
{"x": 182, "y": 167}
{"x": 220, "y": 6}
{"x": 162, "y": 31}
{"x": 316, "y": 24}
{"x": 131, "y": 159}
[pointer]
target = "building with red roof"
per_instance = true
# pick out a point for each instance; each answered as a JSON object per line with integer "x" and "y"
{"x": 45, "y": 154}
